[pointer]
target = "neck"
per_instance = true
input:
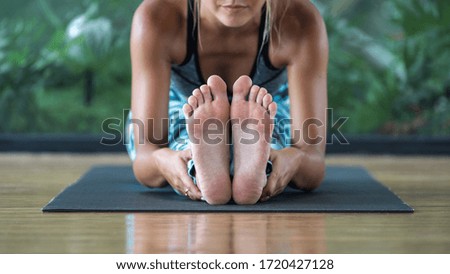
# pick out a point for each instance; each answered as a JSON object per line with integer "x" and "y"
{"x": 210, "y": 22}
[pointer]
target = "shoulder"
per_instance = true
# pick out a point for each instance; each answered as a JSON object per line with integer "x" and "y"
{"x": 160, "y": 16}
{"x": 161, "y": 21}
{"x": 298, "y": 18}
{"x": 299, "y": 26}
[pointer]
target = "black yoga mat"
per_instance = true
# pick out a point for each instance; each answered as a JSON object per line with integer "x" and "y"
{"x": 114, "y": 189}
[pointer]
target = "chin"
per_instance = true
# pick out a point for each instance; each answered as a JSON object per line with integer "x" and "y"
{"x": 233, "y": 21}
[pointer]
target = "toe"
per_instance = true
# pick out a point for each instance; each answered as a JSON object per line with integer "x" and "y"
{"x": 253, "y": 93}
{"x": 259, "y": 99}
{"x": 272, "y": 110}
{"x": 267, "y": 99}
{"x": 187, "y": 110}
{"x": 241, "y": 88}
{"x": 218, "y": 88}
{"x": 199, "y": 96}
{"x": 192, "y": 100}
{"x": 206, "y": 92}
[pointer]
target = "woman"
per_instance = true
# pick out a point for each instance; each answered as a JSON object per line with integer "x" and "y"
{"x": 266, "y": 94}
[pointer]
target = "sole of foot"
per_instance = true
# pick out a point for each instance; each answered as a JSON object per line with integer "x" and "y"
{"x": 252, "y": 112}
{"x": 207, "y": 113}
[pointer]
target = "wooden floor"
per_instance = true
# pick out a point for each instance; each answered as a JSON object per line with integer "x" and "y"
{"x": 29, "y": 181}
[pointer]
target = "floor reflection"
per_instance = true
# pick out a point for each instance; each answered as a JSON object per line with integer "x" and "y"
{"x": 226, "y": 233}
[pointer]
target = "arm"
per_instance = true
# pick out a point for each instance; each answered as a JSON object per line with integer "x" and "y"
{"x": 303, "y": 163}
{"x": 307, "y": 76}
{"x": 151, "y": 61}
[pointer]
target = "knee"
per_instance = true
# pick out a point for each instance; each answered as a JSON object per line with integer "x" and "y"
{"x": 310, "y": 184}
{"x": 148, "y": 180}
{"x": 309, "y": 187}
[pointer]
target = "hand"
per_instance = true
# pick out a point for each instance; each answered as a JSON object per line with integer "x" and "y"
{"x": 173, "y": 166}
{"x": 284, "y": 166}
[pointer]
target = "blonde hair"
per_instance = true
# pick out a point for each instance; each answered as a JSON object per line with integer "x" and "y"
{"x": 268, "y": 22}
{"x": 267, "y": 28}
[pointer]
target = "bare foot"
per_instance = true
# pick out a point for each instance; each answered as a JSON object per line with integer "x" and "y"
{"x": 207, "y": 113}
{"x": 252, "y": 133}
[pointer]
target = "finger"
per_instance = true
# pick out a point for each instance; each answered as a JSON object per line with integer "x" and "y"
{"x": 177, "y": 185}
{"x": 184, "y": 190}
{"x": 265, "y": 192}
{"x": 269, "y": 189}
{"x": 278, "y": 192}
{"x": 279, "y": 187}
{"x": 190, "y": 188}
{"x": 186, "y": 155}
{"x": 265, "y": 198}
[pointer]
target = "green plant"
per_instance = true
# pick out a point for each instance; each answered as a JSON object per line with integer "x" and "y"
{"x": 40, "y": 67}
{"x": 92, "y": 44}
{"x": 361, "y": 81}
{"x": 21, "y": 71}
{"x": 388, "y": 67}
{"x": 423, "y": 50}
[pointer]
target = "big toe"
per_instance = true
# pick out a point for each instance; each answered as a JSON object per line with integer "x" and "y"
{"x": 218, "y": 87}
{"x": 242, "y": 87}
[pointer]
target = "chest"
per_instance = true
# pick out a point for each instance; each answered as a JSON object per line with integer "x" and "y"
{"x": 229, "y": 58}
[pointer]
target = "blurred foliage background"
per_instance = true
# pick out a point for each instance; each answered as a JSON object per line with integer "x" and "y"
{"x": 64, "y": 65}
